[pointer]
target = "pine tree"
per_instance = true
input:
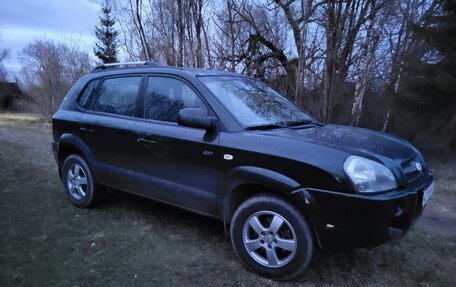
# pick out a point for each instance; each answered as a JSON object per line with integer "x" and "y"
{"x": 429, "y": 90}
{"x": 106, "y": 46}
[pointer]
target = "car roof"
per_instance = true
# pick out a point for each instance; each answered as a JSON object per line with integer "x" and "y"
{"x": 150, "y": 67}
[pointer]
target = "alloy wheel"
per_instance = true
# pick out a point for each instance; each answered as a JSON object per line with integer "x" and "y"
{"x": 77, "y": 181}
{"x": 269, "y": 239}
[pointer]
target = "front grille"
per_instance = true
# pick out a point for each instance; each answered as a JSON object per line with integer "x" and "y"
{"x": 412, "y": 168}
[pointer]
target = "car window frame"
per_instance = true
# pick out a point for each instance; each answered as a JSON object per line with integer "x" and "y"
{"x": 78, "y": 98}
{"x": 137, "y": 114}
{"x": 210, "y": 111}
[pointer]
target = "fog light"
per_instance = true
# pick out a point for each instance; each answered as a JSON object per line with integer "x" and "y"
{"x": 399, "y": 208}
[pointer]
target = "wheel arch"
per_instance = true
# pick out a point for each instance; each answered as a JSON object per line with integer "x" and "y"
{"x": 243, "y": 182}
{"x": 70, "y": 144}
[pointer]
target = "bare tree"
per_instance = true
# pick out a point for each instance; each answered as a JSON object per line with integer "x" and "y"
{"x": 230, "y": 37}
{"x": 4, "y": 54}
{"x": 267, "y": 44}
{"x": 169, "y": 31}
{"x": 367, "y": 58}
{"x": 196, "y": 9}
{"x": 139, "y": 26}
{"x": 342, "y": 22}
{"x": 49, "y": 70}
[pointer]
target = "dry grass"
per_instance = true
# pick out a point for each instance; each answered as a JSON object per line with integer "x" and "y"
{"x": 6, "y": 118}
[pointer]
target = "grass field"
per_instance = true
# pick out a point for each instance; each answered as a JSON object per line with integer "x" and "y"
{"x": 129, "y": 241}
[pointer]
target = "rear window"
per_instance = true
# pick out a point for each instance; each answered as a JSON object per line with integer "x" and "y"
{"x": 84, "y": 98}
{"x": 118, "y": 96}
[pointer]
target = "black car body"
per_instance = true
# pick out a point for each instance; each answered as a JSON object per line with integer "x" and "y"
{"x": 211, "y": 163}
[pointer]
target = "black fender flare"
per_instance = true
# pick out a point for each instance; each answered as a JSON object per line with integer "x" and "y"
{"x": 70, "y": 140}
{"x": 285, "y": 186}
{"x": 251, "y": 175}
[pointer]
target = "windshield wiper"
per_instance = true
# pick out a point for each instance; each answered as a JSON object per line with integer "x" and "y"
{"x": 281, "y": 125}
{"x": 298, "y": 123}
{"x": 265, "y": 127}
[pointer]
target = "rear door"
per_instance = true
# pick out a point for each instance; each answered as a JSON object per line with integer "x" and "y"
{"x": 108, "y": 127}
{"x": 174, "y": 163}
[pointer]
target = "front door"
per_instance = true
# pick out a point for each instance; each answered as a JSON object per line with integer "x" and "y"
{"x": 175, "y": 164}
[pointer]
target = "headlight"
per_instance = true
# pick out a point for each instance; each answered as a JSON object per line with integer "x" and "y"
{"x": 368, "y": 175}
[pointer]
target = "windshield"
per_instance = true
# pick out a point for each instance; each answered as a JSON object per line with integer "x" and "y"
{"x": 253, "y": 103}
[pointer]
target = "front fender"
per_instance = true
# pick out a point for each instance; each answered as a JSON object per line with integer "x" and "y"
{"x": 252, "y": 175}
{"x": 258, "y": 175}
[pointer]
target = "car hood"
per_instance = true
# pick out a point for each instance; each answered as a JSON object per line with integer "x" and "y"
{"x": 357, "y": 141}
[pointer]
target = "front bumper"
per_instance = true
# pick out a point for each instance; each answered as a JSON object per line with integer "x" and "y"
{"x": 346, "y": 221}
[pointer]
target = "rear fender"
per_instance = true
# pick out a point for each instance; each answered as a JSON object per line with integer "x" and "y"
{"x": 71, "y": 141}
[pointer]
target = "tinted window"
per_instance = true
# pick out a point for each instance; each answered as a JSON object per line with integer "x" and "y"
{"x": 165, "y": 97}
{"x": 84, "y": 99}
{"x": 118, "y": 96}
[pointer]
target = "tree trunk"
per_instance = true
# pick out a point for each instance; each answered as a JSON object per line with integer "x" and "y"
{"x": 396, "y": 83}
{"x": 367, "y": 66}
{"x": 180, "y": 34}
{"x": 139, "y": 27}
{"x": 198, "y": 17}
{"x": 208, "y": 48}
{"x": 229, "y": 6}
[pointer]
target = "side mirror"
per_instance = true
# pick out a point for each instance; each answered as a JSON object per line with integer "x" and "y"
{"x": 196, "y": 118}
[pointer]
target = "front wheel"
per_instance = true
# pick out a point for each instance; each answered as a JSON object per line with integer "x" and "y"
{"x": 271, "y": 237}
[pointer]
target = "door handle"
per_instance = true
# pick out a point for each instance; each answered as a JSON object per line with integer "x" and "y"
{"x": 86, "y": 130}
{"x": 146, "y": 142}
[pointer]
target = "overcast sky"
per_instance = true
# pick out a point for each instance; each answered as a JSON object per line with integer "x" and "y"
{"x": 22, "y": 21}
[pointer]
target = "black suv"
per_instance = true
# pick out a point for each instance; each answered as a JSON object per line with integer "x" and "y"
{"x": 230, "y": 147}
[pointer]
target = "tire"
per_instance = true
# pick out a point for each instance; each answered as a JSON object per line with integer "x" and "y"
{"x": 265, "y": 225}
{"x": 79, "y": 183}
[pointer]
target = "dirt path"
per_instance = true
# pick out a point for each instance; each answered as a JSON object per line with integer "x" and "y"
{"x": 129, "y": 241}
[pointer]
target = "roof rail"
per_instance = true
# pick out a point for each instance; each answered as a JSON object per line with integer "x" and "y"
{"x": 125, "y": 64}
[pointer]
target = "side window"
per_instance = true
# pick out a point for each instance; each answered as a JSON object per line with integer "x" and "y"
{"x": 118, "y": 96}
{"x": 165, "y": 97}
{"x": 84, "y": 99}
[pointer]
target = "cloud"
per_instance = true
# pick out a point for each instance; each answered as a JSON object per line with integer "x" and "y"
{"x": 65, "y": 15}
{"x": 22, "y": 21}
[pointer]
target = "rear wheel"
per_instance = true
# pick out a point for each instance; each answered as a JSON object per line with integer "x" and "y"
{"x": 80, "y": 186}
{"x": 271, "y": 237}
